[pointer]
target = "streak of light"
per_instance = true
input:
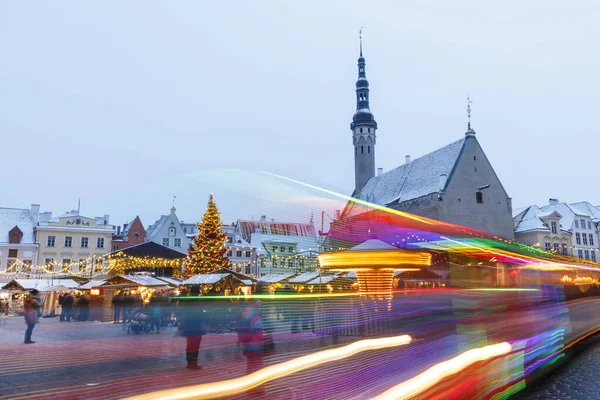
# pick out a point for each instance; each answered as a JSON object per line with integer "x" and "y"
{"x": 375, "y": 258}
{"x": 442, "y": 370}
{"x": 234, "y": 386}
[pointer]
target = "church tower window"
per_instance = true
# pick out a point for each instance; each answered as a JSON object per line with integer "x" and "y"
{"x": 362, "y": 149}
{"x": 479, "y": 197}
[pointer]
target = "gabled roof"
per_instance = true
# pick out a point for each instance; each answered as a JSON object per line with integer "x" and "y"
{"x": 153, "y": 229}
{"x": 170, "y": 280}
{"x": 415, "y": 179}
{"x": 11, "y": 217}
{"x": 126, "y": 230}
{"x": 588, "y": 208}
{"x": 568, "y": 212}
{"x": 531, "y": 222}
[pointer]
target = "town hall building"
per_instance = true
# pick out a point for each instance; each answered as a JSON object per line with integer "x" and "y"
{"x": 455, "y": 183}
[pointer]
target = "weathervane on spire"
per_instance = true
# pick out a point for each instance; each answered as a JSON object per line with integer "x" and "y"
{"x": 360, "y": 39}
{"x": 174, "y": 197}
{"x": 469, "y": 111}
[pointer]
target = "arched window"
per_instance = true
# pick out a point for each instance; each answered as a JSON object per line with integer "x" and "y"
{"x": 369, "y": 149}
{"x": 362, "y": 149}
{"x": 479, "y": 197}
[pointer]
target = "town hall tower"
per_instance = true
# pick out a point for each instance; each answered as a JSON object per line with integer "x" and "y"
{"x": 363, "y": 128}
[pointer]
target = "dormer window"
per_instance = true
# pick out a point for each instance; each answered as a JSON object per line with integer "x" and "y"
{"x": 479, "y": 197}
{"x": 554, "y": 227}
{"x": 15, "y": 235}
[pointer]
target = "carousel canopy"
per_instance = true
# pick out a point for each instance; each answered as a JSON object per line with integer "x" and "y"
{"x": 39, "y": 284}
{"x": 325, "y": 279}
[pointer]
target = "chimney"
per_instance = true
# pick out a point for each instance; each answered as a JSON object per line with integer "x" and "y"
{"x": 118, "y": 229}
{"x": 106, "y": 219}
{"x": 272, "y": 219}
{"x": 553, "y": 201}
{"x": 407, "y": 158}
{"x": 379, "y": 171}
{"x": 443, "y": 179}
{"x": 263, "y": 218}
{"x": 35, "y": 213}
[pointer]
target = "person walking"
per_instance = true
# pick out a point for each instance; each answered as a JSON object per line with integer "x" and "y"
{"x": 31, "y": 307}
{"x": 192, "y": 326}
{"x": 68, "y": 306}
{"x": 128, "y": 303}
{"x": 117, "y": 303}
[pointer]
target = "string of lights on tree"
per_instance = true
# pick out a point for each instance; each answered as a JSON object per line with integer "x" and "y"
{"x": 207, "y": 250}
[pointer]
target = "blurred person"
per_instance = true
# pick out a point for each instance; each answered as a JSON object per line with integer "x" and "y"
{"x": 61, "y": 303}
{"x": 156, "y": 311}
{"x": 192, "y": 326}
{"x": 68, "y": 306}
{"x": 84, "y": 308}
{"x": 117, "y": 302}
{"x": 31, "y": 308}
{"x": 128, "y": 302}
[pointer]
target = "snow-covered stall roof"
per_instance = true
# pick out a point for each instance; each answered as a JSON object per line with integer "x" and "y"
{"x": 412, "y": 180}
{"x": 304, "y": 277}
{"x": 39, "y": 284}
{"x": 205, "y": 279}
{"x": 91, "y": 284}
{"x": 274, "y": 278}
{"x": 143, "y": 280}
{"x": 171, "y": 281}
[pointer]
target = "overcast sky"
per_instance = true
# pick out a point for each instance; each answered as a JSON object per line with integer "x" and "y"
{"x": 123, "y": 103}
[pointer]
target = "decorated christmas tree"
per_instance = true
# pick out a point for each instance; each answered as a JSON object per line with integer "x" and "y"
{"x": 207, "y": 250}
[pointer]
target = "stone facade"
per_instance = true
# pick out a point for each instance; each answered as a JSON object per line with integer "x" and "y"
{"x": 168, "y": 232}
{"x": 72, "y": 243}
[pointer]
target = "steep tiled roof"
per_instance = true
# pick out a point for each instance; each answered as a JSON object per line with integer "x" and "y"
{"x": 568, "y": 213}
{"x": 412, "y": 180}
{"x": 11, "y": 217}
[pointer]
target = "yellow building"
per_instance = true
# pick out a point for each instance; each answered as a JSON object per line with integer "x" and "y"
{"x": 73, "y": 243}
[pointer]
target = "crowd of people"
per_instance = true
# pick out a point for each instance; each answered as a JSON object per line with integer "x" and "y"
{"x": 72, "y": 307}
{"x": 189, "y": 311}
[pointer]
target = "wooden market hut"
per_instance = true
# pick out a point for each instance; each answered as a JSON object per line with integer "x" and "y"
{"x": 149, "y": 257}
{"x": 218, "y": 283}
{"x": 39, "y": 284}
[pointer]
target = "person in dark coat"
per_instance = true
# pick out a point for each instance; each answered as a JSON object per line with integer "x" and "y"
{"x": 61, "y": 303}
{"x": 68, "y": 306}
{"x": 192, "y": 326}
{"x": 84, "y": 308}
{"x": 117, "y": 303}
{"x": 31, "y": 308}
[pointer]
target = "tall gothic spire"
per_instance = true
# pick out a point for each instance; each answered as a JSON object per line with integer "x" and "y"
{"x": 363, "y": 128}
{"x": 363, "y": 115}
